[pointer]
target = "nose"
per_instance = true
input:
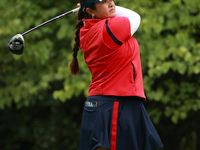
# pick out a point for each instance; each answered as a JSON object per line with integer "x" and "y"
{"x": 111, "y": 3}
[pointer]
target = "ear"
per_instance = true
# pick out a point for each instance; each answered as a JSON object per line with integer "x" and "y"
{"x": 90, "y": 11}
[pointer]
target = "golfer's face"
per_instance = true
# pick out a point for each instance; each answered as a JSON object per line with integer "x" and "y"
{"x": 105, "y": 9}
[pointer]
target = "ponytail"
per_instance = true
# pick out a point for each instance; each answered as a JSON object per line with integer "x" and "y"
{"x": 74, "y": 67}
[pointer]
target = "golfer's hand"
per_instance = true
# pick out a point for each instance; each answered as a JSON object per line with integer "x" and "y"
{"x": 78, "y": 5}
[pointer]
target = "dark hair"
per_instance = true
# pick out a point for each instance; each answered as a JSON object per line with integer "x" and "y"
{"x": 74, "y": 67}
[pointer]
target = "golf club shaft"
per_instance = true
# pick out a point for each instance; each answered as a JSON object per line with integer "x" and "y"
{"x": 55, "y": 18}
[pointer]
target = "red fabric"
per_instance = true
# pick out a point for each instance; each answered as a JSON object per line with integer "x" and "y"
{"x": 116, "y": 70}
{"x": 120, "y": 27}
{"x": 114, "y": 126}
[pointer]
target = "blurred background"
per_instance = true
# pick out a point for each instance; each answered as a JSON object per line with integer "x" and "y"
{"x": 41, "y": 103}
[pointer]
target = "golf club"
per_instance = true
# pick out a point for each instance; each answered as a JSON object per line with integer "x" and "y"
{"x": 17, "y": 43}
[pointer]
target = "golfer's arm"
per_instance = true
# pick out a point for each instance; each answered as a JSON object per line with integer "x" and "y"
{"x": 133, "y": 17}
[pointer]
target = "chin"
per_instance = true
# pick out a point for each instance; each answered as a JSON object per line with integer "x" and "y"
{"x": 112, "y": 16}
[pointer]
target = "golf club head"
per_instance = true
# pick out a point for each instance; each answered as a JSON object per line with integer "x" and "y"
{"x": 16, "y": 44}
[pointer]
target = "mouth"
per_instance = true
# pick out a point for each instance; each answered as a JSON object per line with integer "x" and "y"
{"x": 112, "y": 10}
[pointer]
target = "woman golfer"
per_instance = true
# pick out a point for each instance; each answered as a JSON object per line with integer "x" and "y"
{"x": 114, "y": 117}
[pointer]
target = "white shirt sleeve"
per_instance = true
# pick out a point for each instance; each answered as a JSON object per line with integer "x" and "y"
{"x": 133, "y": 17}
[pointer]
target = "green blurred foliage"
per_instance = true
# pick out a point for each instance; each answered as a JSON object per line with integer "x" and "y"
{"x": 36, "y": 87}
{"x": 170, "y": 47}
{"x": 45, "y": 62}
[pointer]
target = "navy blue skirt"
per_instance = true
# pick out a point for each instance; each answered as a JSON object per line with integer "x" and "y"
{"x": 117, "y": 123}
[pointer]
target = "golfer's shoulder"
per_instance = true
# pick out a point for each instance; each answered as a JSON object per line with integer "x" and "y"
{"x": 118, "y": 23}
{"x": 119, "y": 27}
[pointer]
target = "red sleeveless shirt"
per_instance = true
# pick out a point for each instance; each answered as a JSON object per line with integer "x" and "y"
{"x": 112, "y": 56}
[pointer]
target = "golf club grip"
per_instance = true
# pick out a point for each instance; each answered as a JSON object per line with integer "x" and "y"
{"x": 53, "y": 19}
